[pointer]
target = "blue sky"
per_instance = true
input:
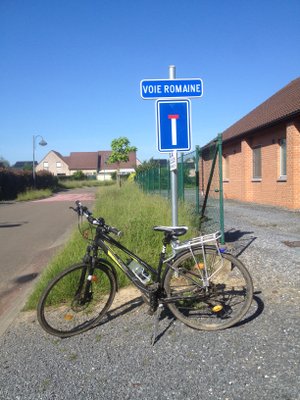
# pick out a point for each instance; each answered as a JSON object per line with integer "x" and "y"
{"x": 70, "y": 70}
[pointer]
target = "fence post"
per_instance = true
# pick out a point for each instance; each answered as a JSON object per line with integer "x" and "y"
{"x": 221, "y": 188}
{"x": 197, "y": 178}
{"x": 210, "y": 177}
{"x": 159, "y": 179}
{"x": 148, "y": 180}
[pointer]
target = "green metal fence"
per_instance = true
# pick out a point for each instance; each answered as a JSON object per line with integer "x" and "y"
{"x": 155, "y": 179}
{"x": 199, "y": 177}
{"x": 211, "y": 206}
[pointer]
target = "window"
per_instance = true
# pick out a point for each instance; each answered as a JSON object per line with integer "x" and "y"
{"x": 282, "y": 143}
{"x": 46, "y": 165}
{"x": 58, "y": 164}
{"x": 225, "y": 167}
{"x": 256, "y": 162}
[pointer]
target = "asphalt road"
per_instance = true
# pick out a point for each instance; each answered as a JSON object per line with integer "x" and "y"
{"x": 30, "y": 234}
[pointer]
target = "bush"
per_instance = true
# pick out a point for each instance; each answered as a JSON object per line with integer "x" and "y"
{"x": 45, "y": 180}
{"x": 79, "y": 176}
{"x": 13, "y": 182}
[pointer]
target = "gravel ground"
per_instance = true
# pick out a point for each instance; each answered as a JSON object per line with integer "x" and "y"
{"x": 259, "y": 359}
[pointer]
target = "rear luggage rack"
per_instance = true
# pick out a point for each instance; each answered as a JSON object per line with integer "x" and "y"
{"x": 198, "y": 241}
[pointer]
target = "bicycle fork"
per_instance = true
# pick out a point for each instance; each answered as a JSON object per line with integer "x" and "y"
{"x": 84, "y": 291}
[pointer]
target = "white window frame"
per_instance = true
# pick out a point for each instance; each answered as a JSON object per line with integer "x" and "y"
{"x": 282, "y": 158}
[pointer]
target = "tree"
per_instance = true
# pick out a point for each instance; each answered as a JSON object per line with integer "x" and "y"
{"x": 120, "y": 153}
{"x": 146, "y": 165}
{"x": 27, "y": 167}
{"x": 3, "y": 162}
{"x": 79, "y": 176}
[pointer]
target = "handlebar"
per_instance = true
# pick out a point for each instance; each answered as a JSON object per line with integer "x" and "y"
{"x": 84, "y": 211}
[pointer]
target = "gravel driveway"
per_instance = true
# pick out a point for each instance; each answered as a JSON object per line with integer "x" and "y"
{"x": 259, "y": 359}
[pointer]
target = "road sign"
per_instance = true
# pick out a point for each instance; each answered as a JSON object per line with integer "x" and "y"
{"x": 173, "y": 160}
{"x": 171, "y": 88}
{"x": 173, "y": 125}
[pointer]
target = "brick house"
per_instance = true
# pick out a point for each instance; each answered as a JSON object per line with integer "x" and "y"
{"x": 90, "y": 163}
{"x": 261, "y": 152}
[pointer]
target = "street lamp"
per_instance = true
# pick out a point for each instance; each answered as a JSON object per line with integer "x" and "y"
{"x": 41, "y": 143}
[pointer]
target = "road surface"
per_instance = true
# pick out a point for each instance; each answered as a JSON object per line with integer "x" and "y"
{"x": 30, "y": 234}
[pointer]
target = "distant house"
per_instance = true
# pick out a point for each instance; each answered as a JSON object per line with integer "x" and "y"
{"x": 261, "y": 152}
{"x": 90, "y": 163}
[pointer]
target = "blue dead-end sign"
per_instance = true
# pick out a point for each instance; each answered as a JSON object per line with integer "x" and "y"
{"x": 173, "y": 125}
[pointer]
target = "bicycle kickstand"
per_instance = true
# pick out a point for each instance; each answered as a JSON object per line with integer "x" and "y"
{"x": 156, "y": 321}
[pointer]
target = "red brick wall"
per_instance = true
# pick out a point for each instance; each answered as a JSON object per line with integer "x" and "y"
{"x": 293, "y": 161}
{"x": 270, "y": 189}
{"x": 205, "y": 165}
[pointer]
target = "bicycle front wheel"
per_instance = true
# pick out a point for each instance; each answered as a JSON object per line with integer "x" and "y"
{"x": 208, "y": 293}
{"x": 75, "y": 301}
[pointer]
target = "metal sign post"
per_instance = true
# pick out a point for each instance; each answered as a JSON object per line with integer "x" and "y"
{"x": 174, "y": 178}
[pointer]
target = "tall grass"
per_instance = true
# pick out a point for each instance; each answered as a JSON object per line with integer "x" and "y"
{"x": 135, "y": 214}
{"x": 34, "y": 194}
{"x": 132, "y": 212}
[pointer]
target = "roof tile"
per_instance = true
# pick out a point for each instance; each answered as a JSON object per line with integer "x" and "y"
{"x": 283, "y": 104}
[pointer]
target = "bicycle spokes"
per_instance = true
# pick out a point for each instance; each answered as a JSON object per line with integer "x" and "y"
{"x": 211, "y": 297}
{"x": 74, "y": 301}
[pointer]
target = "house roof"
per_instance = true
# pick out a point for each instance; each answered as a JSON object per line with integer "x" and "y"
{"x": 95, "y": 160}
{"x": 83, "y": 160}
{"x": 282, "y": 105}
{"x": 104, "y": 156}
{"x": 65, "y": 159}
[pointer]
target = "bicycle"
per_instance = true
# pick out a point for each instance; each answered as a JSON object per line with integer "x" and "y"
{"x": 202, "y": 285}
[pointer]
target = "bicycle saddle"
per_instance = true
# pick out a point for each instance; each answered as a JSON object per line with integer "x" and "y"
{"x": 173, "y": 230}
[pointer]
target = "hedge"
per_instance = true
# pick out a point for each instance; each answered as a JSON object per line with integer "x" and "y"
{"x": 13, "y": 182}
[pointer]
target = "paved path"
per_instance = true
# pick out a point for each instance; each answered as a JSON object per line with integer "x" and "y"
{"x": 30, "y": 234}
{"x": 70, "y": 197}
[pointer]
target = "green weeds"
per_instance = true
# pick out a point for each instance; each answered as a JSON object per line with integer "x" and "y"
{"x": 34, "y": 195}
{"x": 134, "y": 213}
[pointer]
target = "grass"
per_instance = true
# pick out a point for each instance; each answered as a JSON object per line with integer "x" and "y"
{"x": 34, "y": 195}
{"x": 131, "y": 211}
{"x": 73, "y": 184}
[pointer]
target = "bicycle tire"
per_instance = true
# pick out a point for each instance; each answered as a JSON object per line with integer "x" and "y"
{"x": 61, "y": 312}
{"x": 219, "y": 306}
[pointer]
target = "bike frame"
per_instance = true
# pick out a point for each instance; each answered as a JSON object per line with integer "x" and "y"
{"x": 104, "y": 241}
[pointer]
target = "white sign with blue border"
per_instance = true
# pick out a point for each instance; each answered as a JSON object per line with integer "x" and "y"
{"x": 171, "y": 88}
{"x": 173, "y": 124}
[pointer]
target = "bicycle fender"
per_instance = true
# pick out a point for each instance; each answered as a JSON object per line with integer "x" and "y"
{"x": 112, "y": 268}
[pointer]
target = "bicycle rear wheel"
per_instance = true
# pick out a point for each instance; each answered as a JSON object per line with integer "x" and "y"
{"x": 73, "y": 301}
{"x": 218, "y": 305}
